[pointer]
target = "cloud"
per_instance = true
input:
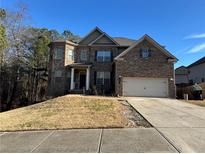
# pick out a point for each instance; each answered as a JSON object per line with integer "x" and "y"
{"x": 197, "y": 48}
{"x": 182, "y": 50}
{"x": 195, "y": 36}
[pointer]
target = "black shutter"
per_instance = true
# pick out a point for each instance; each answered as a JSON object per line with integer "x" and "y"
{"x": 140, "y": 53}
{"x": 96, "y": 55}
{"x": 149, "y": 53}
{"x": 111, "y": 54}
{"x": 95, "y": 76}
{"x": 112, "y": 84}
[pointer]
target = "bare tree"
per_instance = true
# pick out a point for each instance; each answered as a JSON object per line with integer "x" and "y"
{"x": 14, "y": 23}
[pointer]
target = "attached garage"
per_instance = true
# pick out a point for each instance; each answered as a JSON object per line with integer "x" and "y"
{"x": 145, "y": 87}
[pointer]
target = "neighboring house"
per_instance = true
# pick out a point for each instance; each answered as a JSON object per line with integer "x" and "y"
{"x": 182, "y": 75}
{"x": 194, "y": 73}
{"x": 197, "y": 71}
{"x": 101, "y": 64}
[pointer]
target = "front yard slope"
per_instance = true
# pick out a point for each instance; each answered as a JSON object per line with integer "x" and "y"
{"x": 70, "y": 111}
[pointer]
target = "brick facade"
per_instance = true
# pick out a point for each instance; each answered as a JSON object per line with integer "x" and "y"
{"x": 98, "y": 66}
{"x": 59, "y": 85}
{"x": 132, "y": 65}
{"x": 156, "y": 66}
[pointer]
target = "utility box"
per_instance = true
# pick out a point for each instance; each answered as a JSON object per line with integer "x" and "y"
{"x": 186, "y": 97}
{"x": 197, "y": 92}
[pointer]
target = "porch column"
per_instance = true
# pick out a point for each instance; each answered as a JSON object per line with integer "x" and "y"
{"x": 88, "y": 78}
{"x": 72, "y": 79}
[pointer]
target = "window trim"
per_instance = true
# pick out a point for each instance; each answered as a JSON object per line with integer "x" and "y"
{"x": 70, "y": 56}
{"x": 145, "y": 51}
{"x": 86, "y": 55}
{"x": 56, "y": 52}
{"x": 103, "y": 77}
{"x": 103, "y": 56}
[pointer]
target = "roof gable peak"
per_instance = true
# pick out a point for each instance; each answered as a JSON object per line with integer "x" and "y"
{"x": 101, "y": 36}
{"x": 90, "y": 40}
{"x": 92, "y": 31}
{"x": 152, "y": 41}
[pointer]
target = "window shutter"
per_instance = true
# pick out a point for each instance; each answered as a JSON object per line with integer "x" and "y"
{"x": 112, "y": 81}
{"x": 95, "y": 76}
{"x": 96, "y": 55}
{"x": 111, "y": 55}
{"x": 149, "y": 53}
{"x": 140, "y": 53}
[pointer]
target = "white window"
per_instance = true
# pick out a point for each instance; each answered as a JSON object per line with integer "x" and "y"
{"x": 58, "y": 73}
{"x": 103, "y": 56}
{"x": 70, "y": 55}
{"x": 83, "y": 55}
{"x": 145, "y": 52}
{"x": 58, "y": 52}
{"x": 103, "y": 78}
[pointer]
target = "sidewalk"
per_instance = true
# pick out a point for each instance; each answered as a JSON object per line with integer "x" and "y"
{"x": 85, "y": 140}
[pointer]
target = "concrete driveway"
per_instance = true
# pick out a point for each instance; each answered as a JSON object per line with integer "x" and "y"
{"x": 182, "y": 124}
{"x": 86, "y": 140}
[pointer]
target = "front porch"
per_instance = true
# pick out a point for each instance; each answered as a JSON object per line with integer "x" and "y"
{"x": 80, "y": 77}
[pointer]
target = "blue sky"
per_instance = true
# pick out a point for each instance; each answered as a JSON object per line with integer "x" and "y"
{"x": 177, "y": 24}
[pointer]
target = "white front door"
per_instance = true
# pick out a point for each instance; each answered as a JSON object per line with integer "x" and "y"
{"x": 150, "y": 87}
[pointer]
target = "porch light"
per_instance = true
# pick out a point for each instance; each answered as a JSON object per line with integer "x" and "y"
{"x": 119, "y": 77}
{"x": 171, "y": 79}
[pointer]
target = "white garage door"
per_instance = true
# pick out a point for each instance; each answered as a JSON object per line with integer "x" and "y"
{"x": 151, "y": 87}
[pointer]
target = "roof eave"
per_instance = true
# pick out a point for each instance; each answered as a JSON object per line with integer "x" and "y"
{"x": 66, "y": 42}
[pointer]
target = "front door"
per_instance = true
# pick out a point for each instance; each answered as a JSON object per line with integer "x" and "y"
{"x": 82, "y": 80}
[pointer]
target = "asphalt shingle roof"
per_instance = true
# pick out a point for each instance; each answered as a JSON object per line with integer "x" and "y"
{"x": 124, "y": 41}
{"x": 200, "y": 61}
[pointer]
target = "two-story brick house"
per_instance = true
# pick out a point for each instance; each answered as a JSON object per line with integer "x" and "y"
{"x": 194, "y": 73}
{"x": 106, "y": 65}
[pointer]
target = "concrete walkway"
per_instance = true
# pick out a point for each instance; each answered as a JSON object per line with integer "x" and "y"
{"x": 86, "y": 140}
{"x": 181, "y": 123}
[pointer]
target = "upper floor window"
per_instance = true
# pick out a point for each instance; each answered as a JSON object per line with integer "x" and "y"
{"x": 145, "y": 52}
{"x": 70, "y": 55}
{"x": 103, "y": 56}
{"x": 83, "y": 55}
{"x": 58, "y": 52}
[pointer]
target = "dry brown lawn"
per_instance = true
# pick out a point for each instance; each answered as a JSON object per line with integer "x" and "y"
{"x": 70, "y": 111}
{"x": 197, "y": 102}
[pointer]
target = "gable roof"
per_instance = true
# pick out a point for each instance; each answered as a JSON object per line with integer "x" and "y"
{"x": 123, "y": 41}
{"x": 198, "y": 62}
{"x": 92, "y": 31}
{"x": 149, "y": 39}
{"x": 101, "y": 36}
{"x": 182, "y": 70}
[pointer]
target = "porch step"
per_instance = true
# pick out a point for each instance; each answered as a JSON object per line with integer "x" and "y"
{"x": 76, "y": 92}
